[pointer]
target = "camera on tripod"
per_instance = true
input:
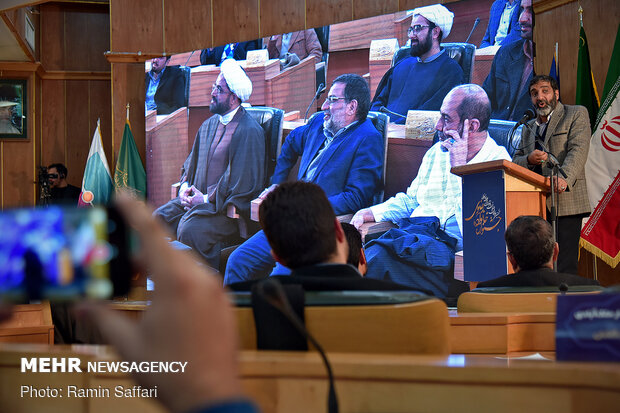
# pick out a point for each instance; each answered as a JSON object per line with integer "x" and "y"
{"x": 44, "y": 185}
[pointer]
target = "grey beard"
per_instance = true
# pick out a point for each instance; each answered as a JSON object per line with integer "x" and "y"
{"x": 544, "y": 111}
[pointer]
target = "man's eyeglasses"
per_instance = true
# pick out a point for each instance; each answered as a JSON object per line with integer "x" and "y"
{"x": 52, "y": 176}
{"x": 416, "y": 28}
{"x": 218, "y": 89}
{"x": 333, "y": 99}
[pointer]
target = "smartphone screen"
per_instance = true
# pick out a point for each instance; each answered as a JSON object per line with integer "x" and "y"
{"x": 63, "y": 253}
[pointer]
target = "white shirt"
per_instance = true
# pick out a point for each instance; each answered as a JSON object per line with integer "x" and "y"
{"x": 435, "y": 191}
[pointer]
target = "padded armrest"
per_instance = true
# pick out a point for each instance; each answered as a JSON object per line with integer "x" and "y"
{"x": 174, "y": 190}
{"x": 374, "y": 227}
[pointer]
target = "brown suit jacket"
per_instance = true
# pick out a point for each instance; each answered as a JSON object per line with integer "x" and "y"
{"x": 568, "y": 138}
{"x": 303, "y": 43}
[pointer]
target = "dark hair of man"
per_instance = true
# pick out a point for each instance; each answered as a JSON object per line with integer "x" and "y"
{"x": 475, "y": 104}
{"x": 530, "y": 241}
{"x": 60, "y": 168}
{"x": 544, "y": 78}
{"x": 356, "y": 88}
{"x": 298, "y": 221}
{"x": 354, "y": 239}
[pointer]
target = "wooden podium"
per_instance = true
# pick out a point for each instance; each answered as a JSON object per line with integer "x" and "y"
{"x": 167, "y": 146}
{"x": 495, "y": 193}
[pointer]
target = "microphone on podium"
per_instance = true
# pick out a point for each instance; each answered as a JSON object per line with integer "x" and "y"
{"x": 476, "y": 23}
{"x": 319, "y": 92}
{"x": 386, "y": 110}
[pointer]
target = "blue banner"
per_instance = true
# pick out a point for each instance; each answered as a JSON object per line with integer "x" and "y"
{"x": 588, "y": 327}
{"x": 484, "y": 224}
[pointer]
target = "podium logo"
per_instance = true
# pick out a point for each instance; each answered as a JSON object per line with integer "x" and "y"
{"x": 486, "y": 216}
{"x": 51, "y": 365}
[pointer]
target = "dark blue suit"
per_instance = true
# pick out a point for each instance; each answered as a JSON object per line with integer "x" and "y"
{"x": 502, "y": 84}
{"x": 495, "y": 15}
{"x": 349, "y": 172}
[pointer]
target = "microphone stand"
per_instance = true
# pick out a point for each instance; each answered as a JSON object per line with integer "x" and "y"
{"x": 556, "y": 169}
{"x": 271, "y": 290}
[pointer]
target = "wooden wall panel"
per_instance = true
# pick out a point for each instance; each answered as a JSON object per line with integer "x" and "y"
{"x": 196, "y": 31}
{"x": 235, "y": 21}
{"x": 52, "y": 38}
{"x": 281, "y": 16}
{"x": 324, "y": 12}
{"x": 365, "y": 8}
{"x": 53, "y": 122}
{"x": 128, "y": 86}
{"x": 18, "y": 171}
{"x": 137, "y": 25}
{"x": 600, "y": 20}
{"x": 465, "y": 13}
{"x": 79, "y": 130}
{"x": 412, "y": 4}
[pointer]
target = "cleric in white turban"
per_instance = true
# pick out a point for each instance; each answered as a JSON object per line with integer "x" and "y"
{"x": 238, "y": 82}
{"x": 438, "y": 15}
{"x": 225, "y": 169}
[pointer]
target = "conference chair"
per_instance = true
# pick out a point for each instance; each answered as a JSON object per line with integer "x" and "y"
{"x": 517, "y": 299}
{"x": 500, "y": 130}
{"x": 364, "y": 322}
{"x": 187, "y": 73}
{"x": 462, "y": 53}
{"x": 321, "y": 68}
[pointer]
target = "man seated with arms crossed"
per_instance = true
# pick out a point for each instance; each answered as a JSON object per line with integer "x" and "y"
{"x": 532, "y": 252}
{"x": 225, "y": 167}
{"x": 305, "y": 236}
{"x": 340, "y": 150}
{"x": 421, "y": 81}
{"x": 429, "y": 215}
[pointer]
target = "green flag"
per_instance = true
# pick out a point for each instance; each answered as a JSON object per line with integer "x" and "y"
{"x": 586, "y": 89}
{"x": 129, "y": 169}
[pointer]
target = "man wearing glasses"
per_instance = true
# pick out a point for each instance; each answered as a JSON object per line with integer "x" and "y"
{"x": 421, "y": 81}
{"x": 339, "y": 150}
{"x": 225, "y": 167}
{"x": 61, "y": 192}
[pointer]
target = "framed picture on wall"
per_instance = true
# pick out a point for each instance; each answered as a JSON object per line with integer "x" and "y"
{"x": 13, "y": 108}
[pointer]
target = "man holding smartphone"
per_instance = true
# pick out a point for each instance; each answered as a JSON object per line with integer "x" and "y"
{"x": 429, "y": 214}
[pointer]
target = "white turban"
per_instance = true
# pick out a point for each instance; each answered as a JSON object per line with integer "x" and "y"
{"x": 238, "y": 82}
{"x": 438, "y": 15}
{"x": 6, "y": 103}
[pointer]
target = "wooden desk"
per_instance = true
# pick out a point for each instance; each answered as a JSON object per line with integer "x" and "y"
{"x": 501, "y": 333}
{"x": 470, "y": 333}
{"x": 296, "y": 382}
{"x": 30, "y": 323}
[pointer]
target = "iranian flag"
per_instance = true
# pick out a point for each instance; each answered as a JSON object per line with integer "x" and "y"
{"x": 97, "y": 182}
{"x": 601, "y": 234}
{"x": 604, "y": 157}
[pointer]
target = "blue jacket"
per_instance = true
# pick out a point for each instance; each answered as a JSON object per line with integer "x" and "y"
{"x": 502, "y": 84}
{"x": 495, "y": 16}
{"x": 350, "y": 170}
